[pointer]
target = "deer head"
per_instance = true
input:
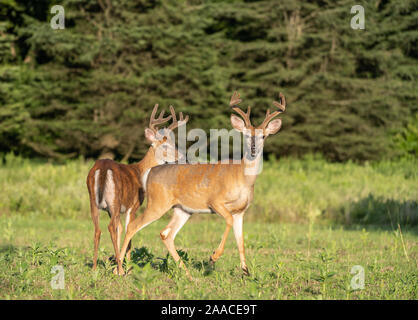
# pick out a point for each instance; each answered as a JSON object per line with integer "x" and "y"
{"x": 162, "y": 140}
{"x": 255, "y": 136}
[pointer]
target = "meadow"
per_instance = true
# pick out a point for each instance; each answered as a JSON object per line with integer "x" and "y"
{"x": 311, "y": 221}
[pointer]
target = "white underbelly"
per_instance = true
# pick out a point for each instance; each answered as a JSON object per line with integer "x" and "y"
{"x": 193, "y": 210}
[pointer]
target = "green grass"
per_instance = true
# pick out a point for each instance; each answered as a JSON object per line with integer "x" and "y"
{"x": 287, "y": 190}
{"x": 286, "y": 261}
{"x": 310, "y": 223}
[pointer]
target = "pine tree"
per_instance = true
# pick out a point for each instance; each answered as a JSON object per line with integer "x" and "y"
{"x": 88, "y": 89}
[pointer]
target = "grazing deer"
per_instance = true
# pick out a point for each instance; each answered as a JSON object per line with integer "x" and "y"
{"x": 224, "y": 188}
{"x": 118, "y": 188}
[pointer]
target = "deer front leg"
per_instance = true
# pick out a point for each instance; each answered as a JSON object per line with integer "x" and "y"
{"x": 238, "y": 219}
{"x": 131, "y": 216}
{"x": 151, "y": 213}
{"x": 129, "y": 251}
{"x": 220, "y": 209}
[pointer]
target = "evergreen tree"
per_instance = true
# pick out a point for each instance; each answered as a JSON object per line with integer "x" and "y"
{"x": 89, "y": 88}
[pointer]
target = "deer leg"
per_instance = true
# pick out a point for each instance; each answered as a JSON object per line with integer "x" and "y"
{"x": 97, "y": 232}
{"x": 113, "y": 227}
{"x": 220, "y": 209}
{"x": 129, "y": 248}
{"x": 169, "y": 233}
{"x": 131, "y": 216}
{"x": 119, "y": 233}
{"x": 150, "y": 214}
{"x": 238, "y": 219}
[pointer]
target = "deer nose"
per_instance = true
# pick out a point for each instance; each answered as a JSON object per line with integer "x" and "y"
{"x": 253, "y": 145}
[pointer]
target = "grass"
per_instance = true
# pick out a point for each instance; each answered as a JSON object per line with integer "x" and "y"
{"x": 288, "y": 190}
{"x": 310, "y": 223}
{"x": 282, "y": 263}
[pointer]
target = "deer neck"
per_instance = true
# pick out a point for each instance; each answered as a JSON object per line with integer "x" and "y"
{"x": 251, "y": 167}
{"x": 148, "y": 161}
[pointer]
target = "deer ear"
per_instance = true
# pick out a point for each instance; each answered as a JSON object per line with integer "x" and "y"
{"x": 237, "y": 123}
{"x": 150, "y": 135}
{"x": 274, "y": 126}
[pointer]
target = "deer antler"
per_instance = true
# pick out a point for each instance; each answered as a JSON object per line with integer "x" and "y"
{"x": 156, "y": 121}
{"x": 269, "y": 117}
{"x": 176, "y": 123}
{"x": 235, "y": 100}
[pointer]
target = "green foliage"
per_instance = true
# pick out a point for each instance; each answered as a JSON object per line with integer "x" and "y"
{"x": 89, "y": 89}
{"x": 407, "y": 138}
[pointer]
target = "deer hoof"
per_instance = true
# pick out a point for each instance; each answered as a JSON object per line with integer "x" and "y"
{"x": 246, "y": 272}
{"x": 211, "y": 262}
{"x": 118, "y": 272}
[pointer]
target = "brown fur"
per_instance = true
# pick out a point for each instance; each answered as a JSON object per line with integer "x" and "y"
{"x": 127, "y": 178}
{"x": 128, "y": 193}
{"x": 128, "y": 189}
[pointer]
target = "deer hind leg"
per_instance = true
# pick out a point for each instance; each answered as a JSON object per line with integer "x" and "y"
{"x": 119, "y": 233}
{"x": 169, "y": 233}
{"x": 94, "y": 211}
{"x": 97, "y": 232}
{"x": 238, "y": 219}
{"x": 115, "y": 229}
{"x": 221, "y": 210}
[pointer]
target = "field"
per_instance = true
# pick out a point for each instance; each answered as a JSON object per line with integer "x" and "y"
{"x": 310, "y": 223}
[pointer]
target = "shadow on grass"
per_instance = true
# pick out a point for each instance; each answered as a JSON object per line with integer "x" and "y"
{"x": 143, "y": 256}
{"x": 377, "y": 213}
{"x": 206, "y": 266}
{"x": 7, "y": 248}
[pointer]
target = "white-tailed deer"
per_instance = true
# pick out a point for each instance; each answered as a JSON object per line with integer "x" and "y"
{"x": 118, "y": 188}
{"x": 224, "y": 188}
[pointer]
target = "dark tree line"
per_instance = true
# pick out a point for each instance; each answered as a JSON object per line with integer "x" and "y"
{"x": 89, "y": 88}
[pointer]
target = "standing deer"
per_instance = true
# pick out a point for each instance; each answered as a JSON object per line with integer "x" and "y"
{"x": 224, "y": 188}
{"x": 118, "y": 188}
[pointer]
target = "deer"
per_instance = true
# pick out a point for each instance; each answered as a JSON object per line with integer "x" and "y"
{"x": 119, "y": 188}
{"x": 226, "y": 189}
